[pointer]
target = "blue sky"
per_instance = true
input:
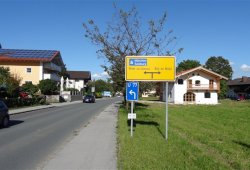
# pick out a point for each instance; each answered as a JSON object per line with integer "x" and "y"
{"x": 204, "y": 28}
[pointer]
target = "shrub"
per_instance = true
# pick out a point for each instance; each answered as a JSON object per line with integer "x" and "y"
{"x": 30, "y": 88}
{"x": 19, "y": 102}
{"x": 48, "y": 87}
{"x": 98, "y": 95}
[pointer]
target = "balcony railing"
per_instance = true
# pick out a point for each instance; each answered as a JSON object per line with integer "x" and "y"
{"x": 202, "y": 87}
{"x": 52, "y": 66}
{"x": 51, "y": 76}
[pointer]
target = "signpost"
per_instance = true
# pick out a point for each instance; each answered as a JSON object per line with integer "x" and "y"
{"x": 132, "y": 89}
{"x": 148, "y": 68}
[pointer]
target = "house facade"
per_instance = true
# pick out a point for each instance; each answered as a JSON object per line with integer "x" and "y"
{"x": 78, "y": 79}
{"x": 194, "y": 86}
{"x": 32, "y": 65}
{"x": 239, "y": 88}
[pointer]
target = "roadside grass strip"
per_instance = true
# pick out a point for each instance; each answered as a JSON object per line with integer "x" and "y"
{"x": 200, "y": 137}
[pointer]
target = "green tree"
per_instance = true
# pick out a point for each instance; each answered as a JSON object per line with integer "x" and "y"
{"x": 146, "y": 86}
{"x": 125, "y": 36}
{"x": 30, "y": 88}
{"x": 48, "y": 87}
{"x": 4, "y": 75}
{"x": 9, "y": 83}
{"x": 221, "y": 66}
{"x": 187, "y": 64}
{"x": 100, "y": 86}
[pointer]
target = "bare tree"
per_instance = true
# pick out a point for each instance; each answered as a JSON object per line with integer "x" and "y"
{"x": 125, "y": 36}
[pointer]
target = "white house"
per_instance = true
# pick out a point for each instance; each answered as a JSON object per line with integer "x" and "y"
{"x": 78, "y": 79}
{"x": 195, "y": 86}
{"x": 149, "y": 93}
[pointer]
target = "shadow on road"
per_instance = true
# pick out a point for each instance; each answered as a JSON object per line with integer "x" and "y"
{"x": 15, "y": 122}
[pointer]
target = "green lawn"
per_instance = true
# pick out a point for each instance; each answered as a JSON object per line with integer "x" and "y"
{"x": 200, "y": 137}
{"x": 150, "y": 98}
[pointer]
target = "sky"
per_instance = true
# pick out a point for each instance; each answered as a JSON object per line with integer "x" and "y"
{"x": 204, "y": 28}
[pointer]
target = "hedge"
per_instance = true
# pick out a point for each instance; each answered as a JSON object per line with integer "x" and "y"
{"x": 19, "y": 102}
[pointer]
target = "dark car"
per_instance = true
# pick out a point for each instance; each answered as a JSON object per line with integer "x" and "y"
{"x": 4, "y": 114}
{"x": 88, "y": 99}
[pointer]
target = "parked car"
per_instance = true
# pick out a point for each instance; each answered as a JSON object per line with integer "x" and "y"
{"x": 4, "y": 115}
{"x": 239, "y": 98}
{"x": 106, "y": 94}
{"x": 88, "y": 99}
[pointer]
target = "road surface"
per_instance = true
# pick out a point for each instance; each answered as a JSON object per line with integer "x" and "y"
{"x": 33, "y": 136}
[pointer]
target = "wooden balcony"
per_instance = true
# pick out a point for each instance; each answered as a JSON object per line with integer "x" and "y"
{"x": 203, "y": 87}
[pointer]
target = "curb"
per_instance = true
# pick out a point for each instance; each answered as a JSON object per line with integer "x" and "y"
{"x": 24, "y": 110}
{"x": 29, "y": 109}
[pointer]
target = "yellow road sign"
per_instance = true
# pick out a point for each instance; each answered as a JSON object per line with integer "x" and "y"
{"x": 150, "y": 68}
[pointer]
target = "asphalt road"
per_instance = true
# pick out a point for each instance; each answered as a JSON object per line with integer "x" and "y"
{"x": 33, "y": 136}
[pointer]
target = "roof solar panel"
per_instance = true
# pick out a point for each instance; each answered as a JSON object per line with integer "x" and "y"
{"x": 33, "y": 54}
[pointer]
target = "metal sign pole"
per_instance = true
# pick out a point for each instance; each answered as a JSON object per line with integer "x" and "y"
{"x": 131, "y": 125}
{"x": 166, "y": 111}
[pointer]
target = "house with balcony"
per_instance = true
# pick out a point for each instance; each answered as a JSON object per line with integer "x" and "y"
{"x": 195, "y": 86}
{"x": 78, "y": 79}
{"x": 32, "y": 65}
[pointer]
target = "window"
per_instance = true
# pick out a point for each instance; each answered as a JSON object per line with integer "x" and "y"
{"x": 189, "y": 97}
{"x": 28, "y": 82}
{"x": 28, "y": 70}
{"x": 180, "y": 81}
{"x": 207, "y": 95}
{"x": 197, "y": 82}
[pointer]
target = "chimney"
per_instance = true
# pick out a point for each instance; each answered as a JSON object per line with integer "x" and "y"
{"x": 243, "y": 79}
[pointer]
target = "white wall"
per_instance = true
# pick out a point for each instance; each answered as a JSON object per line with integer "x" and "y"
{"x": 181, "y": 89}
{"x": 76, "y": 84}
{"x": 200, "y": 98}
{"x": 204, "y": 78}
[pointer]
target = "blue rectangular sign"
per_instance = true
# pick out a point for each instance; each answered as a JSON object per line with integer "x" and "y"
{"x": 138, "y": 62}
{"x": 132, "y": 90}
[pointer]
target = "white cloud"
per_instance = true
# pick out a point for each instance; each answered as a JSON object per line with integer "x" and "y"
{"x": 96, "y": 76}
{"x": 102, "y": 75}
{"x": 245, "y": 68}
{"x": 231, "y": 63}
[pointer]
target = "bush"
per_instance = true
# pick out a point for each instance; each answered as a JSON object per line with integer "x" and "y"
{"x": 48, "y": 87}
{"x": 30, "y": 88}
{"x": 19, "y": 102}
{"x": 98, "y": 95}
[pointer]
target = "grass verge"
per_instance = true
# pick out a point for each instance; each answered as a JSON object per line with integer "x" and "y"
{"x": 200, "y": 137}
